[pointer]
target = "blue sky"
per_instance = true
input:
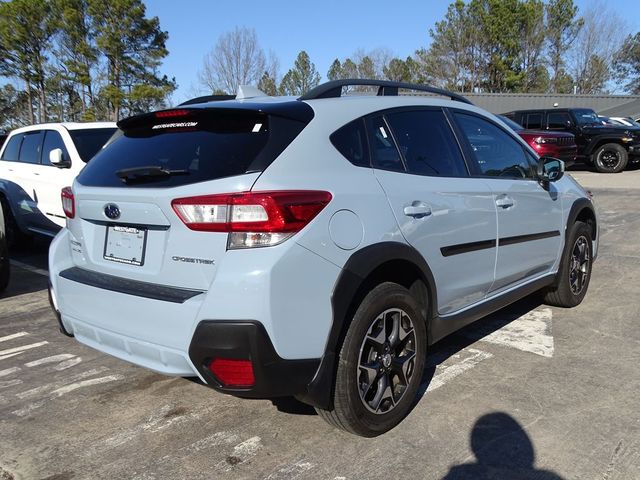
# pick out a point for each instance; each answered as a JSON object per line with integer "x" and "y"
{"x": 326, "y": 29}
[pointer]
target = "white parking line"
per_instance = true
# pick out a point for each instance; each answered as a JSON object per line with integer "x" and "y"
{"x": 159, "y": 420}
{"x": 450, "y": 372}
{"x": 12, "y": 336}
{"x": 68, "y": 364}
{"x": 24, "y": 266}
{"x": 241, "y": 453}
{"x": 52, "y": 359}
{"x": 62, "y": 389}
{"x": 10, "y": 383}
{"x": 53, "y": 386}
{"x": 9, "y": 371}
{"x": 85, "y": 383}
{"x": 21, "y": 349}
{"x": 294, "y": 470}
{"x": 529, "y": 333}
{"x": 2, "y": 357}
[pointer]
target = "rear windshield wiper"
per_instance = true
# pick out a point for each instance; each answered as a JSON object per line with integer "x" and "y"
{"x": 147, "y": 174}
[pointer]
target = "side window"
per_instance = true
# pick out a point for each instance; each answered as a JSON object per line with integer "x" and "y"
{"x": 31, "y": 147}
{"x": 534, "y": 121}
{"x": 53, "y": 140}
{"x": 427, "y": 143}
{"x": 558, "y": 120}
{"x": 384, "y": 153}
{"x": 12, "y": 150}
{"x": 351, "y": 141}
{"x": 497, "y": 154}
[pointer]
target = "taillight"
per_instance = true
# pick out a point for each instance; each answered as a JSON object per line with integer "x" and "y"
{"x": 252, "y": 219}
{"x": 233, "y": 373}
{"x": 68, "y": 202}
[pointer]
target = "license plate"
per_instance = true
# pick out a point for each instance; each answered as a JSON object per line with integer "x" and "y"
{"x": 124, "y": 244}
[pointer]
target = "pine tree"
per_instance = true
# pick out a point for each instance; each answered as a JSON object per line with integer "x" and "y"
{"x": 301, "y": 78}
{"x": 134, "y": 47}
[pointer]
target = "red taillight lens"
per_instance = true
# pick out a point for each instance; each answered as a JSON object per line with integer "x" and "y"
{"x": 68, "y": 202}
{"x": 233, "y": 373}
{"x": 261, "y": 218}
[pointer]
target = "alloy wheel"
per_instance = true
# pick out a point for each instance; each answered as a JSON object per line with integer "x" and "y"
{"x": 387, "y": 360}
{"x": 579, "y": 265}
{"x": 609, "y": 159}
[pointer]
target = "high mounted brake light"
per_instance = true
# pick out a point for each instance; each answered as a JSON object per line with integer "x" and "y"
{"x": 68, "y": 202}
{"x": 253, "y": 219}
{"x": 172, "y": 113}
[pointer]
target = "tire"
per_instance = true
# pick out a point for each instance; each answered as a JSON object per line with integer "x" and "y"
{"x": 610, "y": 158}
{"x": 16, "y": 238}
{"x": 574, "y": 274}
{"x": 380, "y": 363}
{"x": 5, "y": 267}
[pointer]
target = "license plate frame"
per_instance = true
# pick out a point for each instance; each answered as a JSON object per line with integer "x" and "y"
{"x": 124, "y": 244}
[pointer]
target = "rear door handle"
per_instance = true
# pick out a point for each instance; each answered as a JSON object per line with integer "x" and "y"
{"x": 417, "y": 210}
{"x": 504, "y": 201}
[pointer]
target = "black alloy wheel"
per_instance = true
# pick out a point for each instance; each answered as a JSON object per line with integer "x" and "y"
{"x": 574, "y": 273}
{"x": 610, "y": 158}
{"x": 380, "y": 362}
{"x": 579, "y": 266}
{"x": 387, "y": 360}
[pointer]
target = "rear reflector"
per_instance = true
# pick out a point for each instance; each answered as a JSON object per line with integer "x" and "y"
{"x": 233, "y": 373}
{"x": 68, "y": 202}
{"x": 254, "y": 219}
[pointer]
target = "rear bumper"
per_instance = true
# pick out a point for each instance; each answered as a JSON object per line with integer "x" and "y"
{"x": 158, "y": 358}
{"x": 248, "y": 340}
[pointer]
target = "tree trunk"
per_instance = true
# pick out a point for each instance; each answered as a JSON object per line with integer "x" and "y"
{"x": 32, "y": 119}
{"x": 43, "y": 102}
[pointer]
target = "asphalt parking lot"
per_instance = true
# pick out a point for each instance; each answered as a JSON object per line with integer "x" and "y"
{"x": 529, "y": 392}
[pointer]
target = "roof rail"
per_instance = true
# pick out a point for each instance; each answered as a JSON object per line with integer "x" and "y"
{"x": 333, "y": 89}
{"x": 207, "y": 98}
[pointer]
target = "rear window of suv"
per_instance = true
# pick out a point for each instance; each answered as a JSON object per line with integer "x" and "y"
{"x": 88, "y": 142}
{"x": 189, "y": 147}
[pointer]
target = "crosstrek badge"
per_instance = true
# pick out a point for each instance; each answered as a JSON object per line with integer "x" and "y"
{"x": 203, "y": 261}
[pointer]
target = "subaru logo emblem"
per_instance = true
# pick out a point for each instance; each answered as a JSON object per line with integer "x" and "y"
{"x": 112, "y": 211}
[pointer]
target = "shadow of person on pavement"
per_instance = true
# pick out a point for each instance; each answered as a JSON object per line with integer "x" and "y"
{"x": 503, "y": 451}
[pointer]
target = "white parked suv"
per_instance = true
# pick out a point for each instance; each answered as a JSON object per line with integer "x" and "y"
{"x": 316, "y": 246}
{"x": 36, "y": 162}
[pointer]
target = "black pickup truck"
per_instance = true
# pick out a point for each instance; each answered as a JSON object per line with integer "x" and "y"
{"x": 609, "y": 148}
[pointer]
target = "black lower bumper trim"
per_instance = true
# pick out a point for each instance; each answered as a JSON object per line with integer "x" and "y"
{"x": 57, "y": 314}
{"x": 129, "y": 287}
{"x": 244, "y": 340}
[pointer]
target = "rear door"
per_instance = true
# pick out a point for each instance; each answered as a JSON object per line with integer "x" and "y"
{"x": 24, "y": 173}
{"x": 529, "y": 216}
{"x": 125, "y": 224}
{"x": 449, "y": 217}
{"x": 49, "y": 179}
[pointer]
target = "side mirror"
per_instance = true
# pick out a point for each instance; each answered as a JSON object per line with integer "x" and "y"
{"x": 568, "y": 124}
{"x": 550, "y": 169}
{"x": 56, "y": 157}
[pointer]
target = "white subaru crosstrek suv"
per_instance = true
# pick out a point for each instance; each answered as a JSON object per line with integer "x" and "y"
{"x": 36, "y": 162}
{"x": 315, "y": 246}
